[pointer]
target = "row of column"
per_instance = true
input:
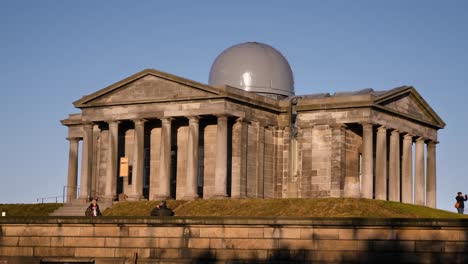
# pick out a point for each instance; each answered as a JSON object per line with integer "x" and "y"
{"x": 136, "y": 191}
{"x": 398, "y": 168}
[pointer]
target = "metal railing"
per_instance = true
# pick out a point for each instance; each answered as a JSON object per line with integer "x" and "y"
{"x": 70, "y": 193}
{"x": 51, "y": 199}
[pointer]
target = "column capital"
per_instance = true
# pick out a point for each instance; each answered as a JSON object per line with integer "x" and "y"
{"x": 339, "y": 126}
{"x": 408, "y": 136}
{"x": 420, "y": 139}
{"x": 109, "y": 122}
{"x": 380, "y": 128}
{"x": 166, "y": 119}
{"x": 73, "y": 139}
{"x": 432, "y": 142}
{"x": 366, "y": 124}
{"x": 88, "y": 125}
{"x": 139, "y": 121}
{"x": 193, "y": 118}
{"x": 395, "y": 132}
{"x": 241, "y": 120}
{"x": 222, "y": 116}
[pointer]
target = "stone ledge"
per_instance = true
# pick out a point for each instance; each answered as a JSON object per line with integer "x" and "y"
{"x": 269, "y": 221}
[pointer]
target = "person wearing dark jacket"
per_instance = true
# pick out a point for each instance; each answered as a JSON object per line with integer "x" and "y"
{"x": 162, "y": 210}
{"x": 93, "y": 209}
{"x": 461, "y": 202}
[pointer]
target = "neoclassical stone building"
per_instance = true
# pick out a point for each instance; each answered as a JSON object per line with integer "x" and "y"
{"x": 245, "y": 134}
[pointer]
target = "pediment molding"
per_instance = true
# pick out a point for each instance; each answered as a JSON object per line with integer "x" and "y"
{"x": 408, "y": 102}
{"x": 148, "y": 86}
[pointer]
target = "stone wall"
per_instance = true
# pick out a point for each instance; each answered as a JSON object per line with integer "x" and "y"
{"x": 232, "y": 240}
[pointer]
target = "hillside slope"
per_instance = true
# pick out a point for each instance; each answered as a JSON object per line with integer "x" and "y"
{"x": 318, "y": 207}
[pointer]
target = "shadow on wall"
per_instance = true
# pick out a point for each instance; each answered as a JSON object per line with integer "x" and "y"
{"x": 379, "y": 250}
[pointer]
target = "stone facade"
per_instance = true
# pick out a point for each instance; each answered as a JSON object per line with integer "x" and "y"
{"x": 187, "y": 140}
{"x": 232, "y": 240}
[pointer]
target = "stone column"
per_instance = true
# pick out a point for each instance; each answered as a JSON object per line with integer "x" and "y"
{"x": 86, "y": 162}
{"x": 94, "y": 192}
{"x": 191, "y": 189}
{"x": 138, "y": 160}
{"x": 407, "y": 170}
{"x": 239, "y": 159}
{"x": 394, "y": 167}
{"x": 221, "y": 157}
{"x": 112, "y": 157}
{"x": 165, "y": 160}
{"x": 367, "y": 178}
{"x": 419, "y": 190}
{"x": 431, "y": 175}
{"x": 381, "y": 164}
{"x": 260, "y": 193}
{"x": 72, "y": 179}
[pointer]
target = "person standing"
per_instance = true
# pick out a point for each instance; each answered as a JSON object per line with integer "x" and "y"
{"x": 93, "y": 209}
{"x": 461, "y": 202}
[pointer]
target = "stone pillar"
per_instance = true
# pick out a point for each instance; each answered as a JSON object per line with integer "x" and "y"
{"x": 394, "y": 167}
{"x": 191, "y": 189}
{"x": 367, "y": 180}
{"x": 165, "y": 160}
{"x": 407, "y": 170}
{"x": 112, "y": 157}
{"x": 381, "y": 164}
{"x": 419, "y": 190}
{"x": 221, "y": 157}
{"x": 94, "y": 192}
{"x": 239, "y": 159}
{"x": 260, "y": 193}
{"x": 86, "y": 162}
{"x": 138, "y": 160}
{"x": 72, "y": 179}
{"x": 431, "y": 175}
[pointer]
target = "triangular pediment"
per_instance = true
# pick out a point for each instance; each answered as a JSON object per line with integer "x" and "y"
{"x": 148, "y": 86}
{"x": 408, "y": 102}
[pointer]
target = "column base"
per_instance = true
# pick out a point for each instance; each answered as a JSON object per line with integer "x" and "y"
{"x": 190, "y": 197}
{"x": 162, "y": 198}
{"x": 219, "y": 196}
{"x": 239, "y": 197}
{"x": 84, "y": 199}
{"x": 106, "y": 199}
{"x": 135, "y": 197}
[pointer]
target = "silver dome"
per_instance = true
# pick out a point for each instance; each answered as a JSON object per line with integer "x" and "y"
{"x": 253, "y": 67}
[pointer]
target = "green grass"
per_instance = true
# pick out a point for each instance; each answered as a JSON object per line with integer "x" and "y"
{"x": 29, "y": 209}
{"x": 294, "y": 207}
{"x": 318, "y": 207}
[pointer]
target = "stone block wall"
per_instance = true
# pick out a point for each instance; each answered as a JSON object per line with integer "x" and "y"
{"x": 233, "y": 240}
{"x": 321, "y": 161}
{"x": 352, "y": 166}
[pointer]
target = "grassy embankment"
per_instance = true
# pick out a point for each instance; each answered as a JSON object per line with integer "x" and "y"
{"x": 29, "y": 209}
{"x": 319, "y": 207}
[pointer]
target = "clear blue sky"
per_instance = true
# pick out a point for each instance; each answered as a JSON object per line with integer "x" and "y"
{"x": 54, "y": 52}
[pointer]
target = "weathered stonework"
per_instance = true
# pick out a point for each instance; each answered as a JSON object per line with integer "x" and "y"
{"x": 232, "y": 240}
{"x": 299, "y": 146}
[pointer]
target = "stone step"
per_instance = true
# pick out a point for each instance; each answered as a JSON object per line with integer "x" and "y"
{"x": 77, "y": 209}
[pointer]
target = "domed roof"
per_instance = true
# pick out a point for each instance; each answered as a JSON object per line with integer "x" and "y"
{"x": 253, "y": 67}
